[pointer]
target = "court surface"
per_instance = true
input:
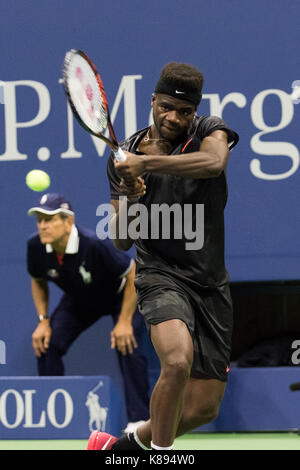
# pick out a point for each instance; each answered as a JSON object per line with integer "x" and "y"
{"x": 195, "y": 441}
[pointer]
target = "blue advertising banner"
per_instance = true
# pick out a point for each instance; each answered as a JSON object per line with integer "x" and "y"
{"x": 58, "y": 408}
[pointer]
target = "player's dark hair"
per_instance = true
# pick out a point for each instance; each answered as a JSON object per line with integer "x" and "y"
{"x": 183, "y": 77}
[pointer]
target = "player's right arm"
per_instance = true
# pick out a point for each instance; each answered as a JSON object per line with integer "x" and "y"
{"x": 42, "y": 334}
{"x": 120, "y": 219}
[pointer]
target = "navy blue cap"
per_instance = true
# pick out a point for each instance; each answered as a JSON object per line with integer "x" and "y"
{"x": 51, "y": 204}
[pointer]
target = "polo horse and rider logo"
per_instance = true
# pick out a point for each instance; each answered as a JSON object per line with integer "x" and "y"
{"x": 98, "y": 413}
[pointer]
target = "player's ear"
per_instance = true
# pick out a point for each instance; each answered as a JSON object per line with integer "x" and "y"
{"x": 153, "y": 99}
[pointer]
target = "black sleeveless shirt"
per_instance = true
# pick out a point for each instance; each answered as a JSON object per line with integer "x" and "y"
{"x": 184, "y": 244}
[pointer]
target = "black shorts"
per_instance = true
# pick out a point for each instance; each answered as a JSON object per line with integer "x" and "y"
{"x": 209, "y": 319}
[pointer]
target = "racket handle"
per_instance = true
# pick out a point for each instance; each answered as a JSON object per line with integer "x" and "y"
{"x": 120, "y": 155}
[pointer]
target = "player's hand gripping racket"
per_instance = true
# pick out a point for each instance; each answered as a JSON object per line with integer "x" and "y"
{"x": 86, "y": 95}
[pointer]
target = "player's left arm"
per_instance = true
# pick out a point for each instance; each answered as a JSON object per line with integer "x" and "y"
{"x": 208, "y": 162}
{"x": 122, "y": 336}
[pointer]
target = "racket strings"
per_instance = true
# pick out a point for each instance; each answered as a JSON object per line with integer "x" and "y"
{"x": 86, "y": 96}
{"x": 86, "y": 93}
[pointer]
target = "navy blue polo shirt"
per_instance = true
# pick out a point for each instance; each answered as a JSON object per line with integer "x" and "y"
{"x": 92, "y": 271}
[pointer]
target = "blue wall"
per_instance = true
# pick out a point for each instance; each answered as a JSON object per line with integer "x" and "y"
{"x": 247, "y": 52}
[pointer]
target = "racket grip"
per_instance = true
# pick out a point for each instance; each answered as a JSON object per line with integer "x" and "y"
{"x": 120, "y": 155}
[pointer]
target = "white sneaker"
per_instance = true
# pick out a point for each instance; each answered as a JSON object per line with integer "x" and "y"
{"x": 131, "y": 427}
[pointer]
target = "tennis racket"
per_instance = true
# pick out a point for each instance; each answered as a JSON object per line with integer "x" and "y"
{"x": 86, "y": 95}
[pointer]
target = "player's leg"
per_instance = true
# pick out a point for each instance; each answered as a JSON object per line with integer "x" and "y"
{"x": 212, "y": 344}
{"x": 179, "y": 403}
{"x": 201, "y": 403}
{"x": 202, "y": 399}
{"x": 170, "y": 318}
{"x": 211, "y": 351}
{"x": 174, "y": 347}
{"x": 134, "y": 369}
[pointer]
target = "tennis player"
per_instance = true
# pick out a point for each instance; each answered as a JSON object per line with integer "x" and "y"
{"x": 183, "y": 293}
{"x": 97, "y": 280}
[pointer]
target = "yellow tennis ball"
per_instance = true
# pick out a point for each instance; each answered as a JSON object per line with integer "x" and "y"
{"x": 37, "y": 180}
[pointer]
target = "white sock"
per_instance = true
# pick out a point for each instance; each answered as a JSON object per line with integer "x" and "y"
{"x": 153, "y": 446}
{"x": 137, "y": 440}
